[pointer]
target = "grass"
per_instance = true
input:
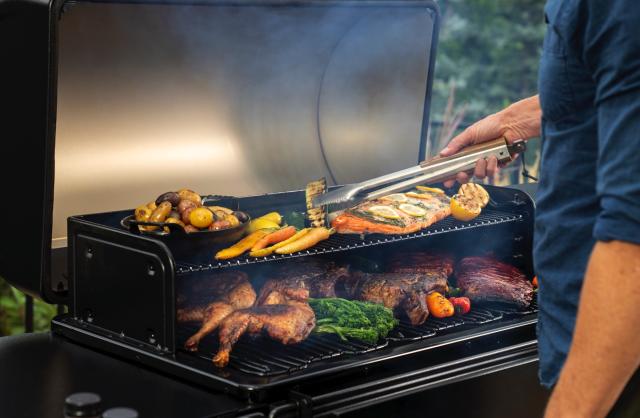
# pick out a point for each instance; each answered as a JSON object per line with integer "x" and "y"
{"x": 12, "y": 311}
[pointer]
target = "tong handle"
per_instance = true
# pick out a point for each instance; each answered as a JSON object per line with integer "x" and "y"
{"x": 440, "y": 168}
{"x": 503, "y": 156}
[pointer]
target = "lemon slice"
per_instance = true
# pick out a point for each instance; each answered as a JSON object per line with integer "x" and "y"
{"x": 384, "y": 211}
{"x": 412, "y": 210}
{"x": 396, "y": 197}
{"x": 430, "y": 189}
{"x": 422, "y": 196}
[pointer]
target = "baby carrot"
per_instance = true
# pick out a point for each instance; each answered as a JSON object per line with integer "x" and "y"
{"x": 309, "y": 240}
{"x": 243, "y": 245}
{"x": 269, "y": 250}
{"x": 275, "y": 237}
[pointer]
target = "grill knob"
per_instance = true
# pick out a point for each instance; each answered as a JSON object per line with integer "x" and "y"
{"x": 120, "y": 413}
{"x": 82, "y": 404}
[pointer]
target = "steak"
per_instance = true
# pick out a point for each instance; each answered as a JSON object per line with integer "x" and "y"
{"x": 485, "y": 279}
{"x": 401, "y": 292}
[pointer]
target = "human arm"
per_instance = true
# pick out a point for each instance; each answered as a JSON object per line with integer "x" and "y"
{"x": 605, "y": 351}
{"x": 521, "y": 120}
{"x": 606, "y": 347}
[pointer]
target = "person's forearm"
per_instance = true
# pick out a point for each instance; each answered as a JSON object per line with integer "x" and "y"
{"x": 605, "y": 351}
{"x": 522, "y": 119}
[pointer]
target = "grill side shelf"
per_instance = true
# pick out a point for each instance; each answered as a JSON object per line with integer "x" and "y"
{"x": 343, "y": 242}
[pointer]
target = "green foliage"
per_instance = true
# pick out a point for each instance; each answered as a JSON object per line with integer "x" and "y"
{"x": 490, "y": 50}
{"x": 12, "y": 313}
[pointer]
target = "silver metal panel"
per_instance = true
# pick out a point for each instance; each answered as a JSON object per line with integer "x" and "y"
{"x": 232, "y": 100}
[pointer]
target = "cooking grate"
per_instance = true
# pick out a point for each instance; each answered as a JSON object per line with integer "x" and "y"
{"x": 407, "y": 332}
{"x": 341, "y": 242}
{"x": 271, "y": 358}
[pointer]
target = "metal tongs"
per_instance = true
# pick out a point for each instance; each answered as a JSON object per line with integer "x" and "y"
{"x": 432, "y": 171}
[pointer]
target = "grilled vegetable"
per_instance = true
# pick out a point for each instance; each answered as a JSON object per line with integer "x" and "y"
{"x": 348, "y": 318}
{"x": 261, "y": 223}
{"x": 160, "y": 214}
{"x": 241, "y": 216}
{"x": 273, "y": 217}
{"x": 143, "y": 213}
{"x": 307, "y": 241}
{"x": 200, "y": 217}
{"x": 474, "y": 192}
{"x": 461, "y": 305}
{"x": 464, "y": 208}
{"x": 243, "y": 245}
{"x": 316, "y": 216}
{"x": 171, "y": 197}
{"x": 218, "y": 225}
{"x": 439, "y": 306}
{"x": 222, "y": 209}
{"x": 269, "y": 250}
{"x": 186, "y": 194}
{"x": 184, "y": 208}
{"x": 190, "y": 228}
{"x": 152, "y": 206}
{"x": 274, "y": 238}
{"x": 172, "y": 221}
{"x": 534, "y": 282}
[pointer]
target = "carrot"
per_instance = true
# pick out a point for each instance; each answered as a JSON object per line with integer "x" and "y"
{"x": 243, "y": 245}
{"x": 269, "y": 250}
{"x": 307, "y": 241}
{"x": 275, "y": 237}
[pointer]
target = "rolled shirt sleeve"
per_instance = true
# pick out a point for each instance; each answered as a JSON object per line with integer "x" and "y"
{"x": 612, "y": 51}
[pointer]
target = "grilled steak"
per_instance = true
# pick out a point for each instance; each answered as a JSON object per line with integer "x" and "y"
{"x": 302, "y": 280}
{"x": 289, "y": 322}
{"x": 363, "y": 218}
{"x": 485, "y": 279}
{"x": 428, "y": 263}
{"x": 401, "y": 292}
{"x": 216, "y": 299}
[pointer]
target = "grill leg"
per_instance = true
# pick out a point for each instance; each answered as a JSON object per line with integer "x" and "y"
{"x": 28, "y": 313}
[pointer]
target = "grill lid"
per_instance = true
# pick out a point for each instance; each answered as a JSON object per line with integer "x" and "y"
{"x": 131, "y": 99}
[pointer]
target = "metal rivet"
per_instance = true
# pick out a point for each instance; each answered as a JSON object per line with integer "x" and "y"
{"x": 151, "y": 271}
{"x": 88, "y": 253}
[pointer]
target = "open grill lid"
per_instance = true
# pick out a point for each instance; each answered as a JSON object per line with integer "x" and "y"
{"x": 131, "y": 99}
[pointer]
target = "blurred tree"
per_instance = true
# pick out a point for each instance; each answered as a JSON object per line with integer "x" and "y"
{"x": 488, "y": 55}
{"x": 12, "y": 313}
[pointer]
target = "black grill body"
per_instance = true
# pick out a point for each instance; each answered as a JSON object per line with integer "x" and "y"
{"x": 124, "y": 288}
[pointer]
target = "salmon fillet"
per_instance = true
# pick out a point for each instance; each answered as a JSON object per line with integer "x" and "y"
{"x": 359, "y": 220}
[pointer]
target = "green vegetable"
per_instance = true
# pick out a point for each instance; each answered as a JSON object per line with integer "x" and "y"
{"x": 354, "y": 319}
{"x": 454, "y": 291}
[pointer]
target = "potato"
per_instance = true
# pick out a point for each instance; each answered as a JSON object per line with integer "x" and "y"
{"x": 172, "y": 221}
{"x": 190, "y": 228}
{"x": 172, "y": 197}
{"x": 143, "y": 213}
{"x": 186, "y": 194}
{"x": 185, "y": 215}
{"x": 174, "y": 214}
{"x": 160, "y": 214}
{"x": 152, "y": 205}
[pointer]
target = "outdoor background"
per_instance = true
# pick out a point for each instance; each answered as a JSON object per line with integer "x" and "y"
{"x": 487, "y": 58}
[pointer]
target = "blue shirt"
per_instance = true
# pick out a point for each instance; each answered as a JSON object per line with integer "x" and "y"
{"x": 589, "y": 189}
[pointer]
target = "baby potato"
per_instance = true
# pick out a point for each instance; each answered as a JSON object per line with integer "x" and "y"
{"x": 233, "y": 221}
{"x": 200, "y": 217}
{"x": 190, "y": 228}
{"x": 143, "y": 213}
{"x": 152, "y": 205}
{"x": 160, "y": 214}
{"x": 218, "y": 225}
{"x": 172, "y": 221}
{"x": 186, "y": 194}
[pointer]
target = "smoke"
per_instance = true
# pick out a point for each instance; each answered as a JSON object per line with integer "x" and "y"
{"x": 233, "y": 100}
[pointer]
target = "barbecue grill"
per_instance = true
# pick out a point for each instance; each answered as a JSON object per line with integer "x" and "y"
{"x": 259, "y": 96}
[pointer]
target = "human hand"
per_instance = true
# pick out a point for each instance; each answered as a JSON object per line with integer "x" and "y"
{"x": 521, "y": 120}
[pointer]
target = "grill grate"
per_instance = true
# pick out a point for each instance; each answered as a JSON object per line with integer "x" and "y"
{"x": 432, "y": 326}
{"x": 340, "y": 242}
{"x": 270, "y": 358}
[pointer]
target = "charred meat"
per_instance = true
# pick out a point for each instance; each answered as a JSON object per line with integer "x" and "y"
{"x": 428, "y": 263}
{"x": 485, "y": 279}
{"x": 288, "y": 321}
{"x": 401, "y": 292}
{"x": 217, "y": 298}
{"x": 302, "y": 280}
